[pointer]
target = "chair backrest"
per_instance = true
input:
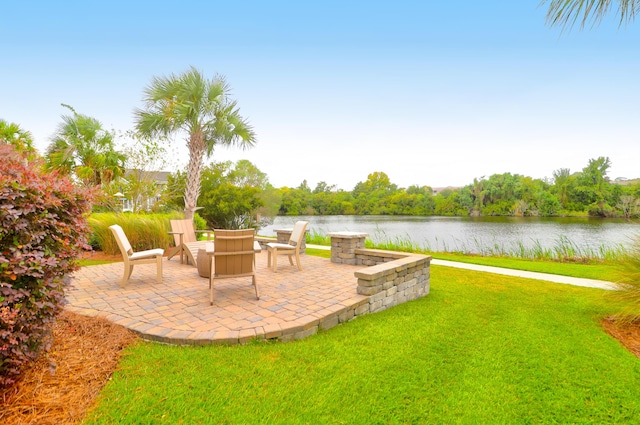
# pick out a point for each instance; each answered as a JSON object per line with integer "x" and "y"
{"x": 298, "y": 233}
{"x": 121, "y": 238}
{"x": 233, "y": 251}
{"x": 186, "y": 228}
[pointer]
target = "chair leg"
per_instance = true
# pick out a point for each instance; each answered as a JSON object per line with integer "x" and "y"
{"x": 172, "y": 252}
{"x": 159, "y": 268}
{"x": 128, "y": 269}
{"x": 290, "y": 259}
{"x": 275, "y": 260}
{"x": 176, "y": 250}
{"x": 255, "y": 284}
{"x": 298, "y": 260}
{"x": 211, "y": 290}
{"x": 189, "y": 257}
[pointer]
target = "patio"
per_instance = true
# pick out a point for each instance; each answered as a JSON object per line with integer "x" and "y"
{"x": 293, "y": 304}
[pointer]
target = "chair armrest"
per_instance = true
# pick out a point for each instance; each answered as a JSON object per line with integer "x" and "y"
{"x": 181, "y": 237}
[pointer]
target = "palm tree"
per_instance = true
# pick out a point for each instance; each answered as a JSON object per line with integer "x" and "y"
{"x": 566, "y": 13}
{"x": 82, "y": 148}
{"x": 201, "y": 108}
{"x": 562, "y": 181}
{"x": 12, "y": 134}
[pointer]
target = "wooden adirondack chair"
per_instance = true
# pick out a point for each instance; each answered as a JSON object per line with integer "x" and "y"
{"x": 132, "y": 258}
{"x": 233, "y": 256}
{"x": 187, "y": 244}
{"x": 290, "y": 249}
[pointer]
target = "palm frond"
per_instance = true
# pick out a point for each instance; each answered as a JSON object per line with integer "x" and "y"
{"x": 567, "y": 13}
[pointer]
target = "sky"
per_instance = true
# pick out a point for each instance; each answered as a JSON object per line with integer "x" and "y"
{"x": 432, "y": 93}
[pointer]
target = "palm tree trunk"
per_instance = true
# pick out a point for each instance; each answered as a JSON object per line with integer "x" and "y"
{"x": 196, "y": 154}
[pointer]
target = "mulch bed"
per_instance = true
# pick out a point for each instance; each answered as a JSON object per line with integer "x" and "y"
{"x": 627, "y": 333}
{"x": 63, "y": 383}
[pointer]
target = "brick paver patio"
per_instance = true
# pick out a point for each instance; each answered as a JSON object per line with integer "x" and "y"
{"x": 293, "y": 304}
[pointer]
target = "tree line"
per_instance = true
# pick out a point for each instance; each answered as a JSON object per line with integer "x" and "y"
{"x": 236, "y": 194}
{"x": 586, "y": 192}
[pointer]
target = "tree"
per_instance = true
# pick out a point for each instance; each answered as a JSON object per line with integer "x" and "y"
{"x": 226, "y": 204}
{"x": 562, "y": 183}
{"x": 373, "y": 195}
{"x": 81, "y": 148}
{"x": 566, "y": 13}
{"x": 447, "y": 203}
{"x": 478, "y": 195}
{"x": 146, "y": 159}
{"x": 246, "y": 175}
{"x": 172, "y": 197}
{"x": 593, "y": 185}
{"x": 12, "y": 134}
{"x": 202, "y": 109}
{"x": 629, "y": 206}
{"x": 296, "y": 201}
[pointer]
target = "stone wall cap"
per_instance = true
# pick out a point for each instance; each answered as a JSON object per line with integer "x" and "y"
{"x": 395, "y": 266}
{"x": 348, "y": 235}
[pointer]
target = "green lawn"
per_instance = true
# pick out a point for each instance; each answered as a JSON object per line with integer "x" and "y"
{"x": 605, "y": 270}
{"x": 601, "y": 271}
{"x": 480, "y": 348}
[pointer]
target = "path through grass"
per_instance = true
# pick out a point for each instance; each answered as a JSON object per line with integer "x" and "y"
{"x": 481, "y": 348}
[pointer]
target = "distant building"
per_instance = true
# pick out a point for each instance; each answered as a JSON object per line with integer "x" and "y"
{"x": 153, "y": 182}
{"x": 625, "y": 181}
{"x": 437, "y": 190}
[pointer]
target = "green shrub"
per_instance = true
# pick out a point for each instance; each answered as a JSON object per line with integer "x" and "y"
{"x": 42, "y": 230}
{"x": 199, "y": 223}
{"x": 144, "y": 231}
{"x": 317, "y": 238}
{"x": 628, "y": 280}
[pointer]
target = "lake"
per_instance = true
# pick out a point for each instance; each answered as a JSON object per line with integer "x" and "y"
{"x": 473, "y": 234}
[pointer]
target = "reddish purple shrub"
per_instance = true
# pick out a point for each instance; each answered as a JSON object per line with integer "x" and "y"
{"x": 42, "y": 231}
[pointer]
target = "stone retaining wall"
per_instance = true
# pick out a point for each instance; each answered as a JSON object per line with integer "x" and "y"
{"x": 392, "y": 278}
{"x": 344, "y": 246}
{"x": 389, "y": 278}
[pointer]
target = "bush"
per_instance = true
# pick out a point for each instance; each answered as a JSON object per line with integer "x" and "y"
{"x": 628, "y": 280}
{"x": 199, "y": 223}
{"x": 144, "y": 231}
{"x": 42, "y": 231}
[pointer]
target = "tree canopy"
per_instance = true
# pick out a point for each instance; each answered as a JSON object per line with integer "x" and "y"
{"x": 83, "y": 149}
{"x": 202, "y": 111}
{"x": 586, "y": 192}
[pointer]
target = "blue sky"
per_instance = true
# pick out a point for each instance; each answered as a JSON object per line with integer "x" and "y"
{"x": 431, "y": 93}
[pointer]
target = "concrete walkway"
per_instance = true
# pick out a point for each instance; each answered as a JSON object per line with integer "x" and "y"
{"x": 567, "y": 280}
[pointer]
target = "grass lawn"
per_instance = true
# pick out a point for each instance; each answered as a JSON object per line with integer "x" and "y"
{"x": 481, "y": 348}
{"x": 593, "y": 270}
{"x": 601, "y": 271}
